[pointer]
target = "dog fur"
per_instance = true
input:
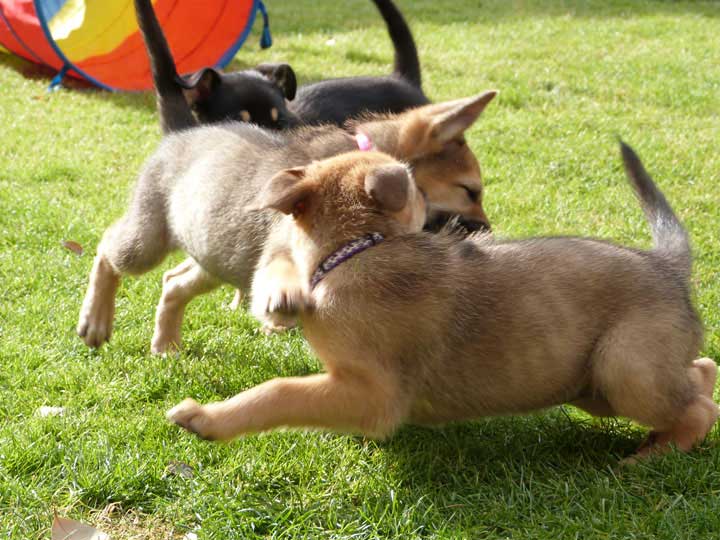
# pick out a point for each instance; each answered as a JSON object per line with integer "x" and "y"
{"x": 264, "y": 95}
{"x": 338, "y": 100}
{"x": 210, "y": 96}
{"x": 427, "y": 329}
{"x": 194, "y": 194}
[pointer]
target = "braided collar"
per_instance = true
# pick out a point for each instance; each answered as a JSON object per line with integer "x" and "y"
{"x": 346, "y": 252}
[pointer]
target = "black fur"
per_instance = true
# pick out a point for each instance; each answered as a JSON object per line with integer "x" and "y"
{"x": 439, "y": 220}
{"x": 337, "y": 100}
{"x": 213, "y": 96}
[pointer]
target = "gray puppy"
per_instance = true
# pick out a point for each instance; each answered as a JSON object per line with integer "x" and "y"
{"x": 428, "y": 329}
{"x": 194, "y": 194}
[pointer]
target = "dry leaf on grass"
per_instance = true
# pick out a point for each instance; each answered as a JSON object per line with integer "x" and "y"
{"x": 68, "y": 529}
{"x": 178, "y": 468}
{"x": 73, "y": 246}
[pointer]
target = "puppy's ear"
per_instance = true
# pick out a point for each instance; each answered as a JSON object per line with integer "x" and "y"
{"x": 282, "y": 76}
{"x": 389, "y": 186}
{"x": 454, "y": 117}
{"x": 288, "y": 191}
{"x": 199, "y": 86}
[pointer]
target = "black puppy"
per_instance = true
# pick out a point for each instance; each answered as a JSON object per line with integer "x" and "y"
{"x": 258, "y": 95}
{"x": 255, "y": 95}
{"x": 337, "y": 100}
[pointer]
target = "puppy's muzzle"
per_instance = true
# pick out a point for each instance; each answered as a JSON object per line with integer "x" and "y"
{"x": 439, "y": 220}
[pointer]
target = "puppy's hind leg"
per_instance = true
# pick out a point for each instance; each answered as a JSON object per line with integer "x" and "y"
{"x": 346, "y": 403}
{"x": 98, "y": 307}
{"x": 701, "y": 413}
{"x": 180, "y": 285}
{"x": 133, "y": 245}
{"x": 704, "y": 373}
{"x": 641, "y": 367}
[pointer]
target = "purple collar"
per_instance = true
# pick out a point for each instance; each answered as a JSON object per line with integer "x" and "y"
{"x": 346, "y": 252}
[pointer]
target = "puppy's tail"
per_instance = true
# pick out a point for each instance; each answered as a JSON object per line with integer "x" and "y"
{"x": 407, "y": 64}
{"x": 669, "y": 236}
{"x": 175, "y": 113}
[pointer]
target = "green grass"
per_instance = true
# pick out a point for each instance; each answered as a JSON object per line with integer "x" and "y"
{"x": 572, "y": 76}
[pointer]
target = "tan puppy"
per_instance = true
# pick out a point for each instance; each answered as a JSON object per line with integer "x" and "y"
{"x": 194, "y": 195}
{"x": 428, "y": 329}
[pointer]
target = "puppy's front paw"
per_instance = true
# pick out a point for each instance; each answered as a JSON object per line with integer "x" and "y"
{"x": 192, "y": 416}
{"x": 95, "y": 322}
{"x": 276, "y": 323}
{"x": 278, "y": 296}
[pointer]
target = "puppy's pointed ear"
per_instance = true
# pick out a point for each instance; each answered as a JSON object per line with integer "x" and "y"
{"x": 199, "y": 86}
{"x": 288, "y": 191}
{"x": 389, "y": 186}
{"x": 453, "y": 118}
{"x": 282, "y": 76}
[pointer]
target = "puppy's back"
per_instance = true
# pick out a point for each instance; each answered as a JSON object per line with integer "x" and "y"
{"x": 476, "y": 328}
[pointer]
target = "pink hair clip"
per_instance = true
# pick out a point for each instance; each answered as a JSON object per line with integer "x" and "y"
{"x": 363, "y": 141}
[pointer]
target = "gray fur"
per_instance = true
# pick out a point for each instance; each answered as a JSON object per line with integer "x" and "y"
{"x": 196, "y": 192}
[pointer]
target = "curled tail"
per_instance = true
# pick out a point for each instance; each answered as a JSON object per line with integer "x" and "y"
{"x": 669, "y": 236}
{"x": 407, "y": 64}
{"x": 175, "y": 113}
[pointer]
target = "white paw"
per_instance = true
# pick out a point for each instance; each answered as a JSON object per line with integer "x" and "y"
{"x": 279, "y": 303}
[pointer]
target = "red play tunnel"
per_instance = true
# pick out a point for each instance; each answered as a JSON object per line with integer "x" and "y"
{"x": 98, "y": 40}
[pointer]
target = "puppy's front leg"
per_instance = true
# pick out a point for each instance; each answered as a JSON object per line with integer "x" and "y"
{"x": 278, "y": 292}
{"x": 324, "y": 401}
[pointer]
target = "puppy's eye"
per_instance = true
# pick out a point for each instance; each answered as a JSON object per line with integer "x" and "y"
{"x": 472, "y": 194}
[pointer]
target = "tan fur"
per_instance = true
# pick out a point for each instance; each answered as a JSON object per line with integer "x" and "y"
{"x": 196, "y": 194}
{"x": 431, "y": 329}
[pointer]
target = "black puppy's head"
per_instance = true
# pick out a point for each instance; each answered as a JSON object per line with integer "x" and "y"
{"x": 254, "y": 95}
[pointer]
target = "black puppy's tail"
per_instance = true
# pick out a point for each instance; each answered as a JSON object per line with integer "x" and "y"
{"x": 407, "y": 64}
{"x": 669, "y": 236}
{"x": 175, "y": 113}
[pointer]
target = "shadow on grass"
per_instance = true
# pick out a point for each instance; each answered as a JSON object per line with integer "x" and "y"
{"x": 36, "y": 72}
{"x": 552, "y": 440}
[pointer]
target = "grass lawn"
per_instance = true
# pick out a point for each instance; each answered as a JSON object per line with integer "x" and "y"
{"x": 572, "y": 76}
